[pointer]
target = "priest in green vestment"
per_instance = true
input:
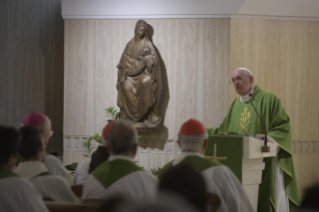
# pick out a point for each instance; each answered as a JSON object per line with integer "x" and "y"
{"x": 278, "y": 190}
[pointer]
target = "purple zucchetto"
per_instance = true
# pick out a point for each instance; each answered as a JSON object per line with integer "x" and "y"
{"x": 34, "y": 119}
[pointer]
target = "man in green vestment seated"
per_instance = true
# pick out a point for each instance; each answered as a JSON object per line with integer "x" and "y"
{"x": 119, "y": 175}
{"x": 88, "y": 165}
{"x": 50, "y": 186}
{"x": 278, "y": 190}
{"x": 16, "y": 194}
{"x": 219, "y": 179}
{"x": 43, "y": 124}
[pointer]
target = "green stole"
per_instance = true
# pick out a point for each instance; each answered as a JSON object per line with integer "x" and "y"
{"x": 19, "y": 159}
{"x": 47, "y": 173}
{"x": 5, "y": 172}
{"x": 197, "y": 162}
{"x": 242, "y": 118}
{"x": 110, "y": 171}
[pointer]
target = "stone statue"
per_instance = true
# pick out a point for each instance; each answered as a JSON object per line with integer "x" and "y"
{"x": 140, "y": 81}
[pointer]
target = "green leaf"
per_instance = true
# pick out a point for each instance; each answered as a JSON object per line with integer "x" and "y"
{"x": 156, "y": 171}
{"x": 96, "y": 136}
{"x": 99, "y": 140}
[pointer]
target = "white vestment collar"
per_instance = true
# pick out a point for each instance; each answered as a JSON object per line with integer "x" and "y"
{"x": 245, "y": 98}
{"x": 184, "y": 155}
{"x": 122, "y": 157}
{"x": 30, "y": 169}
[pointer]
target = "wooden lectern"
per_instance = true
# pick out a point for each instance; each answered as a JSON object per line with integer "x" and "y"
{"x": 242, "y": 154}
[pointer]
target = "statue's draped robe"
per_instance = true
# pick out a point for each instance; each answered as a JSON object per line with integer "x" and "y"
{"x": 137, "y": 88}
{"x": 242, "y": 118}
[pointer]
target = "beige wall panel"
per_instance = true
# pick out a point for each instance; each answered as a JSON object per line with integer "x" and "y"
{"x": 195, "y": 53}
{"x": 31, "y": 63}
{"x": 307, "y": 171}
{"x": 283, "y": 56}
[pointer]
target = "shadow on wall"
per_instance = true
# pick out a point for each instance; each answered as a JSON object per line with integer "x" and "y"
{"x": 154, "y": 140}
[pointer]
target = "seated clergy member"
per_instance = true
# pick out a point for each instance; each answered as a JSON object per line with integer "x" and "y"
{"x": 16, "y": 194}
{"x": 219, "y": 179}
{"x": 51, "y": 187}
{"x": 86, "y": 166}
{"x": 43, "y": 124}
{"x": 188, "y": 183}
{"x": 119, "y": 175}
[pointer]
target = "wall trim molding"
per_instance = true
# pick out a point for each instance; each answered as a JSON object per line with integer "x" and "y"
{"x": 306, "y": 146}
{"x": 148, "y": 16}
{"x": 75, "y": 143}
{"x": 187, "y": 16}
{"x": 270, "y": 17}
{"x": 190, "y": 9}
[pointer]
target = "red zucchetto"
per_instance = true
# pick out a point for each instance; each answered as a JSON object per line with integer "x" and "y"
{"x": 192, "y": 127}
{"x": 106, "y": 129}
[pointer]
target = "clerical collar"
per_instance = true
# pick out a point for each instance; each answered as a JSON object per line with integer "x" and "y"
{"x": 184, "y": 155}
{"x": 245, "y": 98}
{"x": 121, "y": 157}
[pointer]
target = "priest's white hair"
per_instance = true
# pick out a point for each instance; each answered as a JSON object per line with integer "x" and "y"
{"x": 193, "y": 143}
{"x": 246, "y": 71}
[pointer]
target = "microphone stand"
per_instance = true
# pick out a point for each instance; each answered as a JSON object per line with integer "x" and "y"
{"x": 264, "y": 148}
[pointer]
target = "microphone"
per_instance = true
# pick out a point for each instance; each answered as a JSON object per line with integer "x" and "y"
{"x": 264, "y": 148}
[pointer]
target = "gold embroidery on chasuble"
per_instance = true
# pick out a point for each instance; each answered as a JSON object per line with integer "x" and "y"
{"x": 244, "y": 121}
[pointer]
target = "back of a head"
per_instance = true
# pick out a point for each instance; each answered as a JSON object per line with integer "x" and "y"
{"x": 192, "y": 135}
{"x": 9, "y": 143}
{"x": 185, "y": 181}
{"x": 121, "y": 137}
{"x": 30, "y": 142}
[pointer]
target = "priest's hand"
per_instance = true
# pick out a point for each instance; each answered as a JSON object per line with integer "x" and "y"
{"x": 262, "y": 136}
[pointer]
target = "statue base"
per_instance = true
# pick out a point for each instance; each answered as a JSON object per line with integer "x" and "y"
{"x": 141, "y": 127}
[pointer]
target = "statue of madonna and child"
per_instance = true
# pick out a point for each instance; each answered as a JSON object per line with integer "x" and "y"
{"x": 140, "y": 81}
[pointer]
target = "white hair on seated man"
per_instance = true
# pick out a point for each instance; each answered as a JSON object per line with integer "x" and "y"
{"x": 193, "y": 143}
{"x": 45, "y": 125}
{"x": 246, "y": 70}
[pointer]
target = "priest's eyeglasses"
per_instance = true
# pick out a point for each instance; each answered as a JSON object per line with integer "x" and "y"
{"x": 238, "y": 79}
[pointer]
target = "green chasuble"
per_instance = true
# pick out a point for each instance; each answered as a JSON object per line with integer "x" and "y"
{"x": 111, "y": 171}
{"x": 242, "y": 118}
{"x": 198, "y": 163}
{"x": 5, "y": 172}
